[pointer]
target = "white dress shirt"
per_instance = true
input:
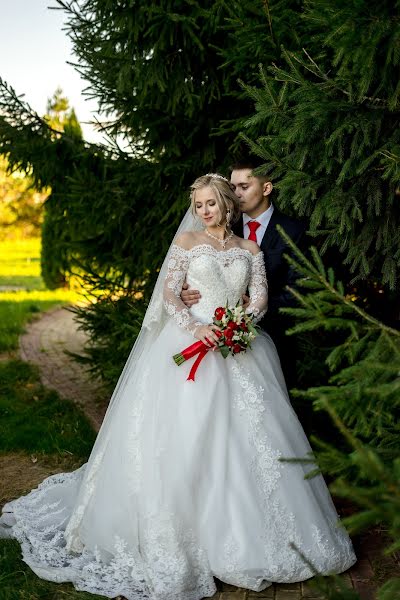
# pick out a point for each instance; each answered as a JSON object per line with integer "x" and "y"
{"x": 263, "y": 219}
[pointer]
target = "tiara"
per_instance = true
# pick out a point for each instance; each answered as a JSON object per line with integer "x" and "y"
{"x": 217, "y": 176}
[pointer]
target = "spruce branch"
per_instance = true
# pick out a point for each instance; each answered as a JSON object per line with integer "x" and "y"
{"x": 19, "y": 114}
{"x": 335, "y": 289}
{"x": 364, "y": 386}
{"x": 268, "y": 13}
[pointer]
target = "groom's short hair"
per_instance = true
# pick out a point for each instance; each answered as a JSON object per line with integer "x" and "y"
{"x": 248, "y": 163}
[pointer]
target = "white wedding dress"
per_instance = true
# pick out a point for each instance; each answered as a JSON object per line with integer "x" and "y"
{"x": 185, "y": 480}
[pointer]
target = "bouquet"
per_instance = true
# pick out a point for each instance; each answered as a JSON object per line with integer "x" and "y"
{"x": 237, "y": 329}
{"x": 237, "y": 333}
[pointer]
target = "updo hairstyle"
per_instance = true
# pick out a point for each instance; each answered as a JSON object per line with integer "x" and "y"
{"x": 225, "y": 196}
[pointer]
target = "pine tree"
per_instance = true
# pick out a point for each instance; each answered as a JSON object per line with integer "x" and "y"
{"x": 362, "y": 396}
{"x": 327, "y": 127}
{"x": 326, "y": 124}
{"x": 60, "y": 116}
{"x": 162, "y": 78}
{"x": 21, "y": 206}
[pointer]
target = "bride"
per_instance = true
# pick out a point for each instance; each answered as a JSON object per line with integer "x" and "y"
{"x": 185, "y": 481}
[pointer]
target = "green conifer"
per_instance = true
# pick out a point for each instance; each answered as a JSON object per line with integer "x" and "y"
{"x": 327, "y": 126}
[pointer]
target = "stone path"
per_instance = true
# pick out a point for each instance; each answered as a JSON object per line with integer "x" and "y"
{"x": 11, "y": 288}
{"x": 45, "y": 343}
{"x": 290, "y": 591}
{"x": 370, "y": 572}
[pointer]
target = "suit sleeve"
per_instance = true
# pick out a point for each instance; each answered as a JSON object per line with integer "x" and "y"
{"x": 284, "y": 298}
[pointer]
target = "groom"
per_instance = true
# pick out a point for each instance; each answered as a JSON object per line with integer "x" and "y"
{"x": 259, "y": 220}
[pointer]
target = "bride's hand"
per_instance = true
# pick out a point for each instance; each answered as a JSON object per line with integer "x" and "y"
{"x": 207, "y": 335}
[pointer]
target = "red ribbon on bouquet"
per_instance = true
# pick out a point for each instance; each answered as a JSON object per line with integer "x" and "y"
{"x": 198, "y": 348}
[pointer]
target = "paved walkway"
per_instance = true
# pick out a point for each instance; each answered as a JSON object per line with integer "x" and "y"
{"x": 11, "y": 288}
{"x": 45, "y": 343}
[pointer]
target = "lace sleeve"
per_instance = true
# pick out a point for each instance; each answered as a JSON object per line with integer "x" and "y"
{"x": 176, "y": 272}
{"x": 258, "y": 288}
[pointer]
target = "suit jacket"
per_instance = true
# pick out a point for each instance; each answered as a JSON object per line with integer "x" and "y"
{"x": 279, "y": 273}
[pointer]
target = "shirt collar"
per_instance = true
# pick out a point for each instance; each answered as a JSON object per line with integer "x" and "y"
{"x": 263, "y": 219}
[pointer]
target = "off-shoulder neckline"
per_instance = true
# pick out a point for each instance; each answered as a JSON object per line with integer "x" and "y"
{"x": 215, "y": 249}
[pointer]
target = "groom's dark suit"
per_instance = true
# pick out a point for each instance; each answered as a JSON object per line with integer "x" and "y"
{"x": 279, "y": 275}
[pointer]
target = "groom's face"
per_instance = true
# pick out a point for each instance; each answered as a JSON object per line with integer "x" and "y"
{"x": 253, "y": 192}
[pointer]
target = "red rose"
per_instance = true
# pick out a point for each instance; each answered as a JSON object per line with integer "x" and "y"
{"x": 219, "y": 313}
{"x": 230, "y": 343}
{"x": 228, "y": 333}
{"x": 232, "y": 325}
{"x": 237, "y": 348}
{"x": 243, "y": 327}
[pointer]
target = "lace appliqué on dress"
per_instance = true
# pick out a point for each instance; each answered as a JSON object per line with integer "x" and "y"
{"x": 135, "y": 430}
{"x": 180, "y": 568}
{"x": 258, "y": 288}
{"x": 179, "y": 565}
{"x": 250, "y": 401}
{"x": 176, "y": 272}
{"x": 285, "y": 562}
{"x": 339, "y": 554}
{"x": 89, "y": 472}
{"x": 225, "y": 275}
{"x": 235, "y": 573}
{"x": 227, "y": 256}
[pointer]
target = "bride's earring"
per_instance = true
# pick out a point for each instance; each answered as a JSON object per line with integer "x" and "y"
{"x": 228, "y": 219}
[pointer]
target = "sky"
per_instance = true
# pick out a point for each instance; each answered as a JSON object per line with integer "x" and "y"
{"x": 34, "y": 51}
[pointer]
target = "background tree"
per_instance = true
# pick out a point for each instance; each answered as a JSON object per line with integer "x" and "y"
{"x": 326, "y": 124}
{"x": 182, "y": 62}
{"x": 21, "y": 206}
{"x": 61, "y": 119}
{"x": 361, "y": 395}
{"x": 61, "y": 116}
{"x": 329, "y": 117}
{"x": 159, "y": 76}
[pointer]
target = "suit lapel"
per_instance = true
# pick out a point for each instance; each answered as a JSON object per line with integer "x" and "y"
{"x": 271, "y": 236}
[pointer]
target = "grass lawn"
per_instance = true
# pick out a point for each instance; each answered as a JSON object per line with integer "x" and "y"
{"x": 20, "y": 263}
{"x": 34, "y": 419}
{"x": 20, "y": 267}
{"x": 18, "y": 582}
{"x": 39, "y": 433}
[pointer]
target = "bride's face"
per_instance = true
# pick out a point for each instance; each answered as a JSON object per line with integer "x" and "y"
{"x": 206, "y": 207}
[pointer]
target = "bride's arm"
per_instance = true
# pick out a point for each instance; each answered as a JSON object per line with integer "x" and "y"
{"x": 176, "y": 273}
{"x": 258, "y": 288}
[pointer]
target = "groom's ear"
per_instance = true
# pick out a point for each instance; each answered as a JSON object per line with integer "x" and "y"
{"x": 267, "y": 188}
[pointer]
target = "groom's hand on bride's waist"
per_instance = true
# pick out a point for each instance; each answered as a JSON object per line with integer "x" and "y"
{"x": 246, "y": 301}
{"x": 189, "y": 297}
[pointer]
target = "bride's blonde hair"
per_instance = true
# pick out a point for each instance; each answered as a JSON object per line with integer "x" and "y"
{"x": 225, "y": 196}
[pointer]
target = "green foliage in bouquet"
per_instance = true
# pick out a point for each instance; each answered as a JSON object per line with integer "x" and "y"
{"x": 237, "y": 329}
